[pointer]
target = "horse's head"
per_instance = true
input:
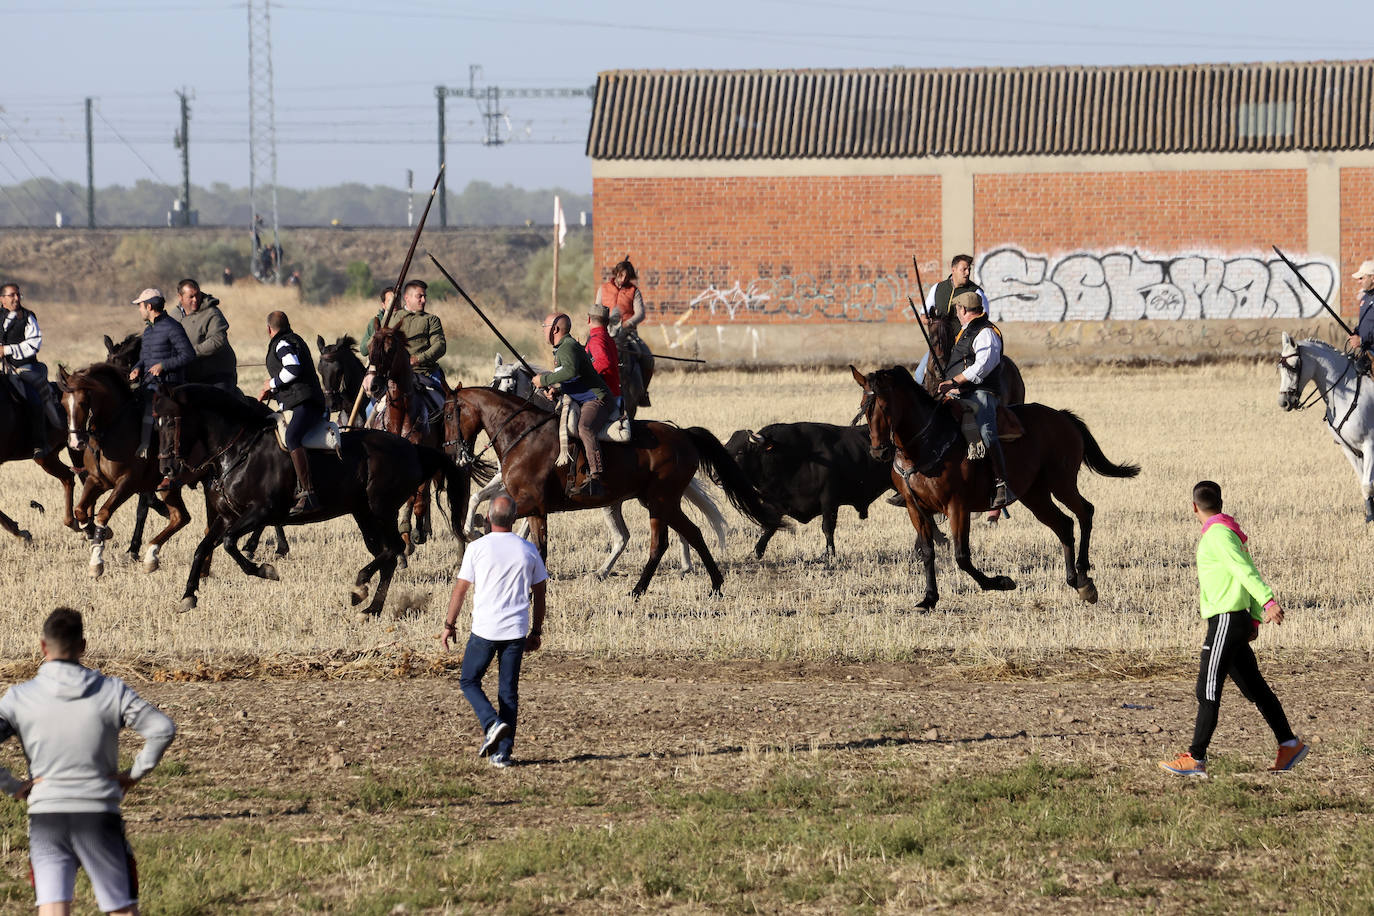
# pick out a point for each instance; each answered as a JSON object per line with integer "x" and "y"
{"x": 169, "y": 416}
{"x": 125, "y": 354}
{"x": 340, "y": 372}
{"x": 512, "y": 378}
{"x": 874, "y": 412}
{"x": 1292, "y": 378}
{"x": 91, "y": 397}
{"x": 891, "y": 399}
{"x": 462, "y": 422}
{"x": 387, "y": 354}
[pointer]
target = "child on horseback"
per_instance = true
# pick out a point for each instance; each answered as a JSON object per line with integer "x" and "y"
{"x": 1234, "y": 600}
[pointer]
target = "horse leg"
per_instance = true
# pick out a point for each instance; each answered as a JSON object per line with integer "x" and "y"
{"x": 403, "y": 519}
{"x": 620, "y": 537}
{"x": 140, "y": 520}
{"x": 958, "y": 533}
{"x": 54, "y": 466}
{"x": 690, "y": 534}
{"x": 13, "y": 528}
{"x": 213, "y": 532}
{"x": 925, "y": 550}
{"x": 250, "y": 546}
{"x": 1040, "y": 504}
{"x": 475, "y": 500}
{"x": 762, "y": 543}
{"x": 386, "y": 547}
{"x": 421, "y": 511}
{"x": 1080, "y": 507}
{"x": 539, "y": 527}
{"x": 177, "y": 518}
{"x": 236, "y": 529}
{"x": 658, "y": 545}
{"x": 283, "y": 548}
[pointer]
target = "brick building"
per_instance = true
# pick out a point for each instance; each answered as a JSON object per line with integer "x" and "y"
{"x": 764, "y": 198}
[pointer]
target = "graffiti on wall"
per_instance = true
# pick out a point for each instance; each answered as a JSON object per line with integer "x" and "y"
{"x": 1127, "y": 285}
{"x": 804, "y": 298}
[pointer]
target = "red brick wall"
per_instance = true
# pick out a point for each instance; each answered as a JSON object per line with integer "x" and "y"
{"x": 1164, "y": 212}
{"x": 1357, "y": 230}
{"x": 771, "y": 250}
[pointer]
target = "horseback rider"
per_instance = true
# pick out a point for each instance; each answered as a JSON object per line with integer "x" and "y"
{"x": 20, "y": 342}
{"x": 293, "y": 382}
{"x": 605, "y": 357}
{"x": 424, "y": 335}
{"x": 939, "y": 301}
{"x": 621, "y": 296}
{"x": 165, "y": 353}
{"x": 375, "y": 324}
{"x": 1363, "y": 338}
{"x": 975, "y": 366}
{"x": 577, "y": 377}
{"x": 208, "y": 330}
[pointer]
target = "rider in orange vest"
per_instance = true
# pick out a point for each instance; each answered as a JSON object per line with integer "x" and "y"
{"x": 621, "y": 295}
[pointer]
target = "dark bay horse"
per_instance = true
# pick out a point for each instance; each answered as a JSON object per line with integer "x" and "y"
{"x": 16, "y": 444}
{"x": 104, "y": 422}
{"x": 228, "y": 443}
{"x": 655, "y": 467}
{"x": 404, "y": 411}
{"x": 1043, "y": 463}
{"x": 341, "y": 374}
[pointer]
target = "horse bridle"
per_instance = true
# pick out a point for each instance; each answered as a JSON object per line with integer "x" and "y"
{"x": 465, "y": 452}
{"x": 1293, "y": 363}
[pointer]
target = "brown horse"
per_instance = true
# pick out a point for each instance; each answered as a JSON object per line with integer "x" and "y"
{"x": 403, "y": 411}
{"x": 15, "y": 411}
{"x": 104, "y": 420}
{"x": 1043, "y": 463}
{"x": 655, "y": 467}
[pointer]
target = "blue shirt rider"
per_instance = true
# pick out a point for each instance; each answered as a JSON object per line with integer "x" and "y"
{"x": 1363, "y": 338}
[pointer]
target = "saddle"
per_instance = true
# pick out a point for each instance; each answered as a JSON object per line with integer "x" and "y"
{"x": 324, "y": 436}
{"x": 1009, "y": 426}
{"x": 617, "y": 429}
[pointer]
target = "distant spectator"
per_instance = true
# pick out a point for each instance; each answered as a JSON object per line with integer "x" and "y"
{"x": 228, "y": 277}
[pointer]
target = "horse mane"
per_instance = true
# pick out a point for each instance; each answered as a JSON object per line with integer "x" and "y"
{"x": 346, "y": 342}
{"x": 900, "y": 377}
{"x": 101, "y": 375}
{"x": 235, "y": 406}
{"x": 400, "y": 371}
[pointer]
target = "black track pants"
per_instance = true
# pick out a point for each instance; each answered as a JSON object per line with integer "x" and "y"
{"x": 1227, "y": 653}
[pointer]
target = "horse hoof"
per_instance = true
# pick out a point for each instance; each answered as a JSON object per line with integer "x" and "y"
{"x": 282, "y": 551}
{"x": 402, "y": 562}
{"x": 268, "y": 571}
{"x": 1088, "y": 592}
{"x": 358, "y": 595}
{"x": 187, "y": 604}
{"x": 25, "y": 536}
{"x": 928, "y": 602}
{"x": 97, "y": 570}
{"x": 152, "y": 566}
{"x": 1002, "y": 583}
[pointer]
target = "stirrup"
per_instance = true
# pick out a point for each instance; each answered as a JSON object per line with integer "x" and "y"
{"x": 164, "y": 485}
{"x": 1001, "y": 494}
{"x": 590, "y": 486}
{"x": 306, "y": 503}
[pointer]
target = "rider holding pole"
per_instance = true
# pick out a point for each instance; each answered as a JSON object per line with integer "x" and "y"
{"x": 1363, "y": 338}
{"x": 578, "y": 379}
{"x": 975, "y": 370}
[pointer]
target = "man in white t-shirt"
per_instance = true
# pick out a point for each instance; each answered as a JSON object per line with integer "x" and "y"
{"x": 506, "y": 576}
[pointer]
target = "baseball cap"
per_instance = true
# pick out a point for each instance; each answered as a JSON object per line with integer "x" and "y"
{"x": 1366, "y": 270}
{"x": 599, "y": 311}
{"x": 148, "y": 295}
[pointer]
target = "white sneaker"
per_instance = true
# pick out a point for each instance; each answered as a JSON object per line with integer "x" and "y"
{"x": 500, "y": 761}
{"x": 497, "y": 731}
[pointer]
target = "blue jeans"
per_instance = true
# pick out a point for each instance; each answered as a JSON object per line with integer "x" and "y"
{"x": 986, "y": 417}
{"x": 476, "y": 660}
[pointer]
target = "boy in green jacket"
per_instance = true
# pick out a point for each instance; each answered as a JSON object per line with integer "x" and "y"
{"x": 1233, "y": 599}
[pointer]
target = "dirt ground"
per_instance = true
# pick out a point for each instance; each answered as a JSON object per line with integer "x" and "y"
{"x": 638, "y": 724}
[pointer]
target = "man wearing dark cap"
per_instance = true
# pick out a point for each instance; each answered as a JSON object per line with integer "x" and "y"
{"x": 579, "y": 380}
{"x": 165, "y": 353}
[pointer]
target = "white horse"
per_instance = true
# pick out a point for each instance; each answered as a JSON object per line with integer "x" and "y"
{"x": 1345, "y": 392}
{"x": 511, "y": 377}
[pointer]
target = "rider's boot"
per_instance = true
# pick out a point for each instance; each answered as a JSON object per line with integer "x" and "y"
{"x": 145, "y": 437}
{"x": 304, "y": 487}
{"x": 591, "y": 487}
{"x": 1001, "y": 493}
{"x": 38, "y": 429}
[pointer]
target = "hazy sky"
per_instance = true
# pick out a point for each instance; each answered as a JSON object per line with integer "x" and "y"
{"x": 355, "y": 80}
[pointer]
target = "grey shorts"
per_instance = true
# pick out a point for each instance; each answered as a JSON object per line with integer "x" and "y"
{"x": 58, "y": 843}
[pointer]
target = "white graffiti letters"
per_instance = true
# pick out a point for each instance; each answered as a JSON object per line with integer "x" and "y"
{"x": 1122, "y": 285}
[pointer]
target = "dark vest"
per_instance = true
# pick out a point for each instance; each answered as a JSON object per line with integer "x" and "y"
{"x": 944, "y": 295}
{"x": 305, "y": 387}
{"x": 14, "y": 334}
{"x": 961, "y": 354}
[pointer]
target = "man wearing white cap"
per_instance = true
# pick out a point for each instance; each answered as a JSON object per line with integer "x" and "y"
{"x": 1364, "y": 328}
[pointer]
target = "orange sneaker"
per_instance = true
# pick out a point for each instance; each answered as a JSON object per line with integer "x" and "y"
{"x": 1289, "y": 757}
{"x": 1185, "y": 765}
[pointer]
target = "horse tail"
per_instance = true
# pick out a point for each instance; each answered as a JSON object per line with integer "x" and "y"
{"x": 453, "y": 480}
{"x": 1092, "y": 452}
{"x": 726, "y": 474}
{"x": 697, "y": 496}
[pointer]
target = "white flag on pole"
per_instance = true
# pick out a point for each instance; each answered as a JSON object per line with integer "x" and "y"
{"x": 560, "y": 224}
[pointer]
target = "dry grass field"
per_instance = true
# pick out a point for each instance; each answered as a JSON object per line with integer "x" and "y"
{"x": 806, "y": 743}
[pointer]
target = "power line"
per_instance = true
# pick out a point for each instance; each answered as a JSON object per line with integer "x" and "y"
{"x": 24, "y": 186}
{"x": 50, "y": 169}
{"x": 146, "y": 163}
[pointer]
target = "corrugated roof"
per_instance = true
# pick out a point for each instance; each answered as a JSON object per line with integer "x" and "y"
{"x": 785, "y": 114}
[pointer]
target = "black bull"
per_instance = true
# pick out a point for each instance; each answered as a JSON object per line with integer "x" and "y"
{"x": 808, "y": 469}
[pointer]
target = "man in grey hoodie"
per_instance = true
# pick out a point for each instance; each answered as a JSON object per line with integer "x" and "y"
{"x": 215, "y": 362}
{"x": 68, "y": 719}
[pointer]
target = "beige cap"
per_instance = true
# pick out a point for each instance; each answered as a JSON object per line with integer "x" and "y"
{"x": 599, "y": 311}
{"x": 970, "y": 300}
{"x": 148, "y": 295}
{"x": 1366, "y": 270}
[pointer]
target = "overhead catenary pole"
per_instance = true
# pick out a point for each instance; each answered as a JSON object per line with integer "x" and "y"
{"x": 442, "y": 92}
{"x": 401, "y": 280}
{"x": 183, "y": 143}
{"x": 90, "y": 170}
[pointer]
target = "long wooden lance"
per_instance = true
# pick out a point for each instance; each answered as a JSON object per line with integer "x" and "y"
{"x": 480, "y": 314}
{"x": 400, "y": 284}
{"x": 1344, "y": 327}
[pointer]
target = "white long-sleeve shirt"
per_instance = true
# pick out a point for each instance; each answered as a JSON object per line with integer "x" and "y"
{"x": 33, "y": 337}
{"x": 930, "y": 300}
{"x": 987, "y": 354}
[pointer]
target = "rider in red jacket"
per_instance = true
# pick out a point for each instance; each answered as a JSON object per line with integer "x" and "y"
{"x": 601, "y": 348}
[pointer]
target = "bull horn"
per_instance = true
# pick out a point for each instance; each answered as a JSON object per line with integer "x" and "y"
{"x": 755, "y": 438}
